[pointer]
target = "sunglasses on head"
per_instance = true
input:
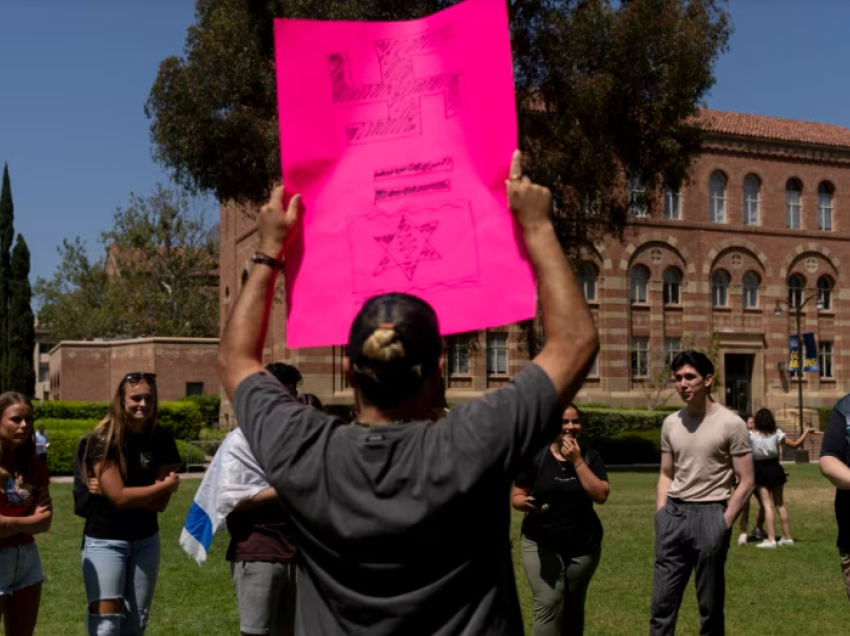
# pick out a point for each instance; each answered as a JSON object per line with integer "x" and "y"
{"x": 567, "y": 420}
{"x": 137, "y": 377}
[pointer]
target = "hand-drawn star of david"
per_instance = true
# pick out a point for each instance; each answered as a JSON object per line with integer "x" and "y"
{"x": 408, "y": 246}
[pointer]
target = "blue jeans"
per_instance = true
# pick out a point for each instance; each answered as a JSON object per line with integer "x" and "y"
{"x": 123, "y": 571}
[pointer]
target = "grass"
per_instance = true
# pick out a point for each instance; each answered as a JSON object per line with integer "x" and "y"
{"x": 782, "y": 592}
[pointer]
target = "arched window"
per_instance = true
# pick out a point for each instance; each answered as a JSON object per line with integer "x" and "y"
{"x": 796, "y": 285}
{"x": 672, "y": 202}
{"x": 717, "y": 197}
{"x": 793, "y": 204}
{"x": 638, "y": 279}
{"x": 672, "y": 286}
{"x": 825, "y": 292}
{"x": 825, "y": 191}
{"x": 751, "y": 290}
{"x": 752, "y": 190}
{"x": 587, "y": 275}
{"x": 719, "y": 289}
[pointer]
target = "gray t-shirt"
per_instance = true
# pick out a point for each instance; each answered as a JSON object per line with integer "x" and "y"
{"x": 402, "y": 529}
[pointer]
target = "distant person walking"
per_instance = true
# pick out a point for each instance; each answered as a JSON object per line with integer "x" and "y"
{"x": 41, "y": 444}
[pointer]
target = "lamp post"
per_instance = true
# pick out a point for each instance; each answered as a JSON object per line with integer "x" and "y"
{"x": 798, "y": 303}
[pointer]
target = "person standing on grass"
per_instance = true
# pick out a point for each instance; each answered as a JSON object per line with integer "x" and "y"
{"x": 704, "y": 448}
{"x": 129, "y": 466}
{"x": 262, "y": 550}
{"x": 41, "y": 444}
{"x": 744, "y": 519}
{"x": 401, "y": 520}
{"x": 561, "y": 533}
{"x": 835, "y": 466}
{"x": 25, "y": 511}
{"x": 770, "y": 476}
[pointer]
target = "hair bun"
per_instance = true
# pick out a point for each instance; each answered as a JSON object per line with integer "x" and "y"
{"x": 383, "y": 346}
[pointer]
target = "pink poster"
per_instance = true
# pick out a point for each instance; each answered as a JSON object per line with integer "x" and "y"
{"x": 399, "y": 135}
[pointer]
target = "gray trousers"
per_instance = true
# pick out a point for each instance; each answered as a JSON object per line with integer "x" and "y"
{"x": 689, "y": 536}
{"x": 559, "y": 588}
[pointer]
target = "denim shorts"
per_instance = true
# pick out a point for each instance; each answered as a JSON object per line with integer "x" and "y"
{"x": 20, "y": 567}
{"x": 266, "y": 596}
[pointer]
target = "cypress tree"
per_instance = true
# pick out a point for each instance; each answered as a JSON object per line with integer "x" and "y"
{"x": 21, "y": 321}
{"x": 7, "y": 219}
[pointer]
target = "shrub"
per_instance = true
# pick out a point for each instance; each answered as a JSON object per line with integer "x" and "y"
{"x": 188, "y": 451}
{"x": 63, "y": 446}
{"x": 210, "y": 405}
{"x": 598, "y": 423}
{"x": 63, "y": 410}
{"x": 213, "y": 434}
{"x": 631, "y": 447}
{"x": 182, "y": 419}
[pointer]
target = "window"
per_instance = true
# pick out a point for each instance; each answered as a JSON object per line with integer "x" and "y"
{"x": 589, "y": 204}
{"x": 752, "y": 188}
{"x": 825, "y": 292}
{"x": 45, "y": 347}
{"x": 640, "y": 357}
{"x": 594, "y": 369}
{"x": 672, "y": 202}
{"x": 458, "y": 351}
{"x": 497, "y": 353}
{"x": 43, "y": 372}
{"x": 587, "y": 274}
{"x": 719, "y": 289}
{"x": 638, "y": 279}
{"x": 717, "y": 197}
{"x": 751, "y": 290}
{"x": 672, "y": 348}
{"x": 672, "y": 286}
{"x": 793, "y": 204}
{"x": 825, "y": 191}
{"x": 796, "y": 284}
{"x": 825, "y": 357}
{"x": 637, "y": 197}
{"x": 194, "y": 388}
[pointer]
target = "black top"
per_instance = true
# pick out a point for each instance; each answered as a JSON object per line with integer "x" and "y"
{"x": 401, "y": 529}
{"x": 144, "y": 454}
{"x": 570, "y": 525}
{"x": 836, "y": 443}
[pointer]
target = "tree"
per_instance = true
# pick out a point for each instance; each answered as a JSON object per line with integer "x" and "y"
{"x": 604, "y": 89}
{"x": 7, "y": 233}
{"x": 158, "y": 276}
{"x": 21, "y": 369}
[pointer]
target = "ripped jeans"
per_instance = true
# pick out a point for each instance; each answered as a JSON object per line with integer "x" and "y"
{"x": 124, "y": 571}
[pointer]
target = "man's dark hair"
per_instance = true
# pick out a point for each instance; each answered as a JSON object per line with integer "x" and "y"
{"x": 308, "y": 399}
{"x": 286, "y": 374}
{"x": 394, "y": 345}
{"x": 695, "y": 359}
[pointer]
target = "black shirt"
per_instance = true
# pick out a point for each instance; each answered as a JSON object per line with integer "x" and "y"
{"x": 836, "y": 443}
{"x": 145, "y": 454}
{"x": 401, "y": 529}
{"x": 570, "y": 525}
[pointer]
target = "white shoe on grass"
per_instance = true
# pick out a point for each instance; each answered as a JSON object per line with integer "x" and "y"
{"x": 767, "y": 544}
{"x": 786, "y": 542}
{"x": 742, "y": 538}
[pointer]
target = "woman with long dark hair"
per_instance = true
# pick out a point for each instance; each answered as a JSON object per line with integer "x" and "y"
{"x": 25, "y": 510}
{"x": 770, "y": 477}
{"x": 129, "y": 461}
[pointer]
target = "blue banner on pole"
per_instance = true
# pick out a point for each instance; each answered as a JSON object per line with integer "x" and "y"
{"x": 810, "y": 349}
{"x": 793, "y": 354}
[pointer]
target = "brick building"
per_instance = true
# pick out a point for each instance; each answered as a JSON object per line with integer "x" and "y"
{"x": 92, "y": 369}
{"x": 764, "y": 219}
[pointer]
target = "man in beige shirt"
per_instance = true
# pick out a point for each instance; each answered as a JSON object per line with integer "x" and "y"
{"x": 704, "y": 447}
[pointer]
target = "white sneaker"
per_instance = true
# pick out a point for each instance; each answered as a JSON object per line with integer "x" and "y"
{"x": 767, "y": 544}
{"x": 786, "y": 542}
{"x": 742, "y": 538}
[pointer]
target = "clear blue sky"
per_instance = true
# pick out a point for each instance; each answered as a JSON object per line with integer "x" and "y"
{"x": 74, "y": 76}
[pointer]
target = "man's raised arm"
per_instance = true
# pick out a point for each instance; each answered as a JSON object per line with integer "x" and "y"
{"x": 571, "y": 338}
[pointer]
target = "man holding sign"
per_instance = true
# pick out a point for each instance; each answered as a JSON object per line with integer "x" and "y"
{"x": 402, "y": 521}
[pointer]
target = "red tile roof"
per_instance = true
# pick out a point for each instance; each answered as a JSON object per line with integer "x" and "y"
{"x": 764, "y": 127}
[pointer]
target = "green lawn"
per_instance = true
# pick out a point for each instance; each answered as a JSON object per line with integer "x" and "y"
{"x": 783, "y": 592}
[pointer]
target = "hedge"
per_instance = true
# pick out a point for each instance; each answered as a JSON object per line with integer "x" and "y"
{"x": 210, "y": 405}
{"x": 631, "y": 447}
{"x": 66, "y": 410}
{"x": 63, "y": 446}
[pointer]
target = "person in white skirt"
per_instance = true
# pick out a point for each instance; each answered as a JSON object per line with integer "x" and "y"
{"x": 770, "y": 477}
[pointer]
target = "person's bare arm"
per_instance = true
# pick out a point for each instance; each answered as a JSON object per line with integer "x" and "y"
{"x": 743, "y": 467}
{"x": 161, "y": 503}
{"x": 239, "y": 354}
{"x": 121, "y": 496}
{"x": 799, "y": 441}
{"x": 835, "y": 471}
{"x": 597, "y": 489}
{"x": 36, "y": 523}
{"x": 571, "y": 338}
{"x": 665, "y": 478}
{"x": 522, "y": 500}
{"x": 266, "y": 497}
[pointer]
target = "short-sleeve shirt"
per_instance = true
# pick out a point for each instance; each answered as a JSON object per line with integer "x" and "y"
{"x": 18, "y": 500}
{"x": 570, "y": 525}
{"x": 766, "y": 446}
{"x": 702, "y": 452}
{"x": 403, "y": 528}
{"x": 145, "y": 454}
{"x": 836, "y": 443}
{"x": 41, "y": 442}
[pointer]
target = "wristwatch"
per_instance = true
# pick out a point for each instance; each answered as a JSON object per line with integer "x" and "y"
{"x": 265, "y": 259}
